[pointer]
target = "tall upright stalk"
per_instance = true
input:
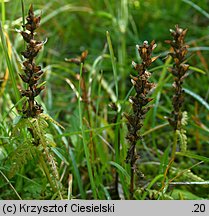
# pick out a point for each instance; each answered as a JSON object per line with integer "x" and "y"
{"x": 179, "y": 71}
{"x": 31, "y": 109}
{"x": 32, "y": 72}
{"x": 139, "y": 105}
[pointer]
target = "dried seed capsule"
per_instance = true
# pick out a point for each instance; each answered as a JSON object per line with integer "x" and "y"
{"x": 179, "y": 69}
{"x": 27, "y": 37}
{"x": 24, "y": 78}
{"x": 32, "y": 71}
{"x": 38, "y": 90}
{"x": 142, "y": 87}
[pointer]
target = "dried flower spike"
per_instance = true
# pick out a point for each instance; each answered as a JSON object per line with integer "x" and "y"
{"x": 139, "y": 103}
{"x": 179, "y": 69}
{"x": 32, "y": 72}
{"x": 80, "y": 59}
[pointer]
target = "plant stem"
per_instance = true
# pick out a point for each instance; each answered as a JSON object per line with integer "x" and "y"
{"x": 23, "y": 14}
{"x": 151, "y": 184}
{"x": 174, "y": 145}
{"x": 3, "y": 12}
{"x": 117, "y": 148}
{"x": 173, "y": 153}
{"x": 113, "y": 62}
{"x": 139, "y": 105}
{"x": 46, "y": 171}
{"x": 19, "y": 197}
{"x": 133, "y": 168}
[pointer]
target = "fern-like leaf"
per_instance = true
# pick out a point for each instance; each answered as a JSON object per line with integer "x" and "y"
{"x": 50, "y": 119}
{"x": 187, "y": 175}
{"x": 20, "y": 125}
{"x": 34, "y": 131}
{"x": 152, "y": 194}
{"x": 193, "y": 177}
{"x": 39, "y": 126}
{"x": 20, "y": 156}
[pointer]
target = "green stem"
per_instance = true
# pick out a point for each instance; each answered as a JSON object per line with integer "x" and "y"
{"x": 117, "y": 149}
{"x": 132, "y": 182}
{"x": 151, "y": 184}
{"x": 132, "y": 164}
{"x": 23, "y": 14}
{"x": 19, "y": 197}
{"x": 174, "y": 145}
{"x": 113, "y": 62}
{"x": 122, "y": 63}
{"x": 3, "y": 12}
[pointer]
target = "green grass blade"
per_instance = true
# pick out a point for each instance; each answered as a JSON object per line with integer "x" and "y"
{"x": 160, "y": 85}
{"x": 19, "y": 197}
{"x": 205, "y": 48}
{"x": 69, "y": 8}
{"x": 23, "y": 14}
{"x": 86, "y": 150}
{"x": 121, "y": 169}
{"x": 113, "y": 62}
{"x": 197, "y": 97}
{"x": 197, "y": 70}
{"x": 74, "y": 163}
{"x": 168, "y": 65}
{"x": 9, "y": 64}
{"x": 59, "y": 155}
{"x": 196, "y": 7}
{"x": 194, "y": 156}
{"x": 107, "y": 195}
{"x": 3, "y": 17}
{"x": 19, "y": 102}
{"x": 164, "y": 160}
{"x": 152, "y": 183}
